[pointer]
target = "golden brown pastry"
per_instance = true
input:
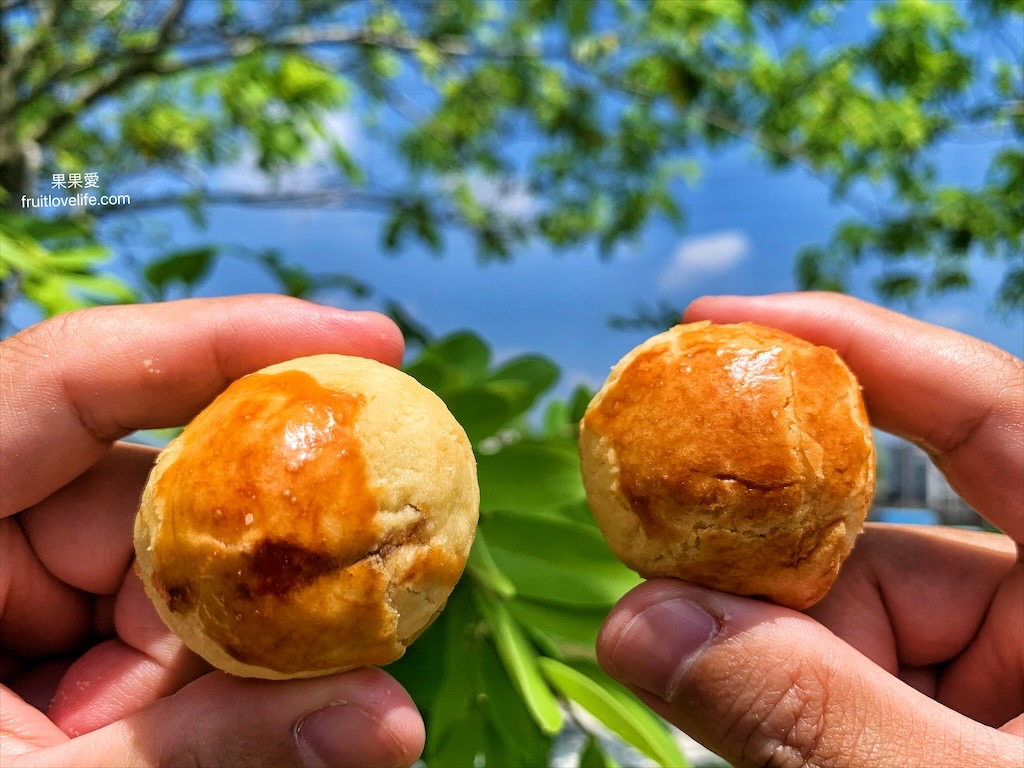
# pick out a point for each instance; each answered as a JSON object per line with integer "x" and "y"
{"x": 732, "y": 456}
{"x": 314, "y": 518}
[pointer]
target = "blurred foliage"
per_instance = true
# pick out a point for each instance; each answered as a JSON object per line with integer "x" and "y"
{"x": 571, "y": 121}
{"x": 57, "y": 264}
{"x": 493, "y": 674}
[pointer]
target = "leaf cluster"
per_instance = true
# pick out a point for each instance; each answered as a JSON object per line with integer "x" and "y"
{"x": 572, "y": 122}
{"x": 56, "y": 265}
{"x": 930, "y": 244}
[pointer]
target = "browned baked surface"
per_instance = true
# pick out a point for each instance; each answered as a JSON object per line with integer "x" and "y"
{"x": 734, "y": 456}
{"x": 314, "y": 518}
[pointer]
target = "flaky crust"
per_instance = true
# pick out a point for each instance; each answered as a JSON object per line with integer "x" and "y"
{"x": 733, "y": 456}
{"x": 314, "y": 518}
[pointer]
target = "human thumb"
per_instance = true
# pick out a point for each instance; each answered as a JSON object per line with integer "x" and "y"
{"x": 361, "y": 718}
{"x": 764, "y": 685}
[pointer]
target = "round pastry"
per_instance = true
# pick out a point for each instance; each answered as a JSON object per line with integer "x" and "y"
{"x": 314, "y": 518}
{"x": 733, "y": 456}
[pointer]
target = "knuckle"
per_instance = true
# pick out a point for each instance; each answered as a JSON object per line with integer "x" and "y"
{"x": 781, "y": 723}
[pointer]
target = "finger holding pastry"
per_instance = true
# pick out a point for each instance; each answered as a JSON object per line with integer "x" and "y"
{"x": 91, "y": 674}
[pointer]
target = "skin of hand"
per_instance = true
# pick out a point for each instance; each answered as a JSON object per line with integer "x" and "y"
{"x": 91, "y": 675}
{"x": 916, "y": 655}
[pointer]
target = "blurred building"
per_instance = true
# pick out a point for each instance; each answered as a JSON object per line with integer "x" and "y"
{"x": 951, "y": 509}
{"x": 909, "y": 481}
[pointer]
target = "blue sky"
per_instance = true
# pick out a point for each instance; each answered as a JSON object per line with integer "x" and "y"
{"x": 744, "y": 227}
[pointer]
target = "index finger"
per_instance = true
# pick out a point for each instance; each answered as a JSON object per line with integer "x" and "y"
{"x": 72, "y": 385}
{"x": 960, "y": 399}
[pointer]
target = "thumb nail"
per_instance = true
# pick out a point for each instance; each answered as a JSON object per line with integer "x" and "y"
{"x": 656, "y": 646}
{"x": 345, "y": 735}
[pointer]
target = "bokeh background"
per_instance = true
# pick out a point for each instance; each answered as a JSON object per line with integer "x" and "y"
{"x": 530, "y": 188}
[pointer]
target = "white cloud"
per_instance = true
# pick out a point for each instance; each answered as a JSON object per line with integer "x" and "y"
{"x": 706, "y": 255}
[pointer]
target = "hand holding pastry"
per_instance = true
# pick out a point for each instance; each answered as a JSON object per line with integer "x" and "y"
{"x": 92, "y": 675}
{"x": 913, "y": 658}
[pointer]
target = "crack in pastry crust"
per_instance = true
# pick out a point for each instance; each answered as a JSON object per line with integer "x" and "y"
{"x": 735, "y": 456}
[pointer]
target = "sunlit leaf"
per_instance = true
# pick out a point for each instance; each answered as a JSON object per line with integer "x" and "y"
{"x": 576, "y": 625}
{"x": 616, "y": 708}
{"x": 481, "y": 565}
{"x": 530, "y": 475}
{"x": 465, "y": 350}
{"x": 555, "y": 561}
{"x": 480, "y": 410}
{"x": 520, "y": 659}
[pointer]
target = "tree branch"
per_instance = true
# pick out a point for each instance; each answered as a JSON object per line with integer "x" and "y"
{"x": 150, "y": 59}
{"x": 335, "y": 197}
{"x": 140, "y": 61}
{"x": 325, "y": 198}
{"x": 336, "y": 35}
{"x": 723, "y": 122}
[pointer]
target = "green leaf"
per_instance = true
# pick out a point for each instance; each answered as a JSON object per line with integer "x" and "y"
{"x": 523, "y": 743}
{"x": 594, "y": 756}
{"x": 101, "y": 288}
{"x": 464, "y": 350}
{"x": 481, "y": 411}
{"x": 84, "y": 258}
{"x": 52, "y": 295}
{"x": 296, "y": 280}
{"x": 481, "y": 565}
{"x": 456, "y": 677}
{"x": 577, "y": 625}
{"x": 187, "y": 266}
{"x": 1011, "y": 291}
{"x": 555, "y": 419}
{"x": 530, "y": 475}
{"x": 536, "y": 375}
{"x": 73, "y": 227}
{"x": 949, "y": 279}
{"x": 898, "y": 286}
{"x": 346, "y": 163}
{"x": 434, "y": 374}
{"x": 452, "y": 367}
{"x": 616, "y": 708}
{"x": 578, "y": 403}
{"x": 422, "y": 671}
{"x": 413, "y": 330}
{"x": 350, "y": 284}
{"x": 301, "y": 80}
{"x": 473, "y": 710}
{"x": 577, "y": 16}
{"x": 556, "y": 562}
{"x": 520, "y": 660}
{"x": 18, "y": 253}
